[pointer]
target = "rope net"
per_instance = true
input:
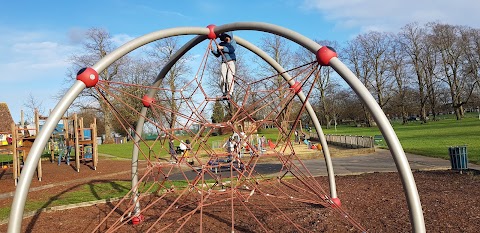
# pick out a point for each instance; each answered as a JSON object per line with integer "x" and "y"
{"x": 261, "y": 181}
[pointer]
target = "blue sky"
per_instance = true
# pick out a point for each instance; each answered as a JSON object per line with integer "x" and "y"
{"x": 37, "y": 37}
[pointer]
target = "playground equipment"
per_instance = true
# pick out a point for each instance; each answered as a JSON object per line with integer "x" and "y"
{"x": 19, "y": 143}
{"x": 73, "y": 133}
{"x": 245, "y": 183}
{"x": 18, "y": 148}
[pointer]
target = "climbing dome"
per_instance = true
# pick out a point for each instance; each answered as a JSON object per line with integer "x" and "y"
{"x": 262, "y": 183}
{"x": 266, "y": 185}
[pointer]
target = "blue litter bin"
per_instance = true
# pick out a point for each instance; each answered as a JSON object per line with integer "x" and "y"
{"x": 458, "y": 157}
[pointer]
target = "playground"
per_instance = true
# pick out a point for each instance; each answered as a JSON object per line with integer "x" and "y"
{"x": 449, "y": 200}
{"x": 282, "y": 182}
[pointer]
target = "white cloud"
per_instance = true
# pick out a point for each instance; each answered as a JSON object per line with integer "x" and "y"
{"x": 392, "y": 15}
{"x": 121, "y": 39}
{"x": 76, "y": 35}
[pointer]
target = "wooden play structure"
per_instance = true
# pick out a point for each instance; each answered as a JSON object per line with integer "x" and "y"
{"x": 84, "y": 139}
{"x": 70, "y": 135}
{"x": 18, "y": 144}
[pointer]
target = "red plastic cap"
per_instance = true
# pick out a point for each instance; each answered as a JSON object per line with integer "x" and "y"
{"x": 296, "y": 87}
{"x": 324, "y": 54}
{"x": 137, "y": 219}
{"x": 212, "y": 34}
{"x": 88, "y": 76}
{"x": 336, "y": 202}
{"x": 147, "y": 101}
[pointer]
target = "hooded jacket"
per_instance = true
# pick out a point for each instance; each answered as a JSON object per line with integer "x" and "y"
{"x": 228, "y": 50}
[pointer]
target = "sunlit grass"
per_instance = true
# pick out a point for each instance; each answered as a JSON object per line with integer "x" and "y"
{"x": 90, "y": 192}
{"x": 431, "y": 139}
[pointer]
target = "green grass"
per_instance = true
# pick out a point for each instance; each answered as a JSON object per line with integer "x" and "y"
{"x": 5, "y": 158}
{"x": 431, "y": 139}
{"x": 8, "y": 158}
{"x": 161, "y": 147}
{"x": 89, "y": 192}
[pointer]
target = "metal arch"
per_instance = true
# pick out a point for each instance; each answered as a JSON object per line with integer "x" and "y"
{"x": 413, "y": 199}
{"x": 184, "y": 49}
{"x": 139, "y": 128}
{"x": 401, "y": 162}
{"x": 308, "y": 106}
{"x": 18, "y": 204}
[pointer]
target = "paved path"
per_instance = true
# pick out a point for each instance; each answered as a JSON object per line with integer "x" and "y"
{"x": 379, "y": 161}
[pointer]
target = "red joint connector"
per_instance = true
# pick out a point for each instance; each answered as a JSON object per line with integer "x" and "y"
{"x": 88, "y": 76}
{"x": 336, "y": 202}
{"x": 137, "y": 219}
{"x": 324, "y": 54}
{"x": 211, "y": 35}
{"x": 296, "y": 87}
{"x": 147, "y": 101}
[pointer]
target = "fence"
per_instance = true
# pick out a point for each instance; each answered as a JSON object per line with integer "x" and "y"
{"x": 350, "y": 141}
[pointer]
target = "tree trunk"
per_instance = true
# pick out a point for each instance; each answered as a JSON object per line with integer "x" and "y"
{"x": 107, "y": 117}
{"x": 404, "y": 115}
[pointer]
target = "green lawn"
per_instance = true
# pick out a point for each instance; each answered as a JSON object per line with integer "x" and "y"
{"x": 149, "y": 148}
{"x": 88, "y": 192}
{"x": 160, "y": 147}
{"x": 431, "y": 139}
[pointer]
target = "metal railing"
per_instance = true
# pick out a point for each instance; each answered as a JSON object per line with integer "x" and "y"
{"x": 350, "y": 141}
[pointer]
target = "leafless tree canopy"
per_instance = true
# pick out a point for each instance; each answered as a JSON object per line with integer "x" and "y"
{"x": 418, "y": 73}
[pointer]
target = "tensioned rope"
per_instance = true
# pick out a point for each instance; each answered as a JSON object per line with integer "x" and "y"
{"x": 307, "y": 189}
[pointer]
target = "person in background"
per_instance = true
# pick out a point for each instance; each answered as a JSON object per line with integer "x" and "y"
{"x": 171, "y": 147}
{"x": 188, "y": 144}
{"x": 183, "y": 146}
{"x": 187, "y": 156}
{"x": 229, "y": 145}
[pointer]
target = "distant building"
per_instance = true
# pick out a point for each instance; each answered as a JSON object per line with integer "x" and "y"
{"x": 6, "y": 121}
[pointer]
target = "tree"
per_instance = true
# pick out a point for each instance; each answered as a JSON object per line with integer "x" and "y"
{"x": 356, "y": 57}
{"x": 32, "y": 103}
{"x": 448, "y": 41}
{"x": 325, "y": 84}
{"x": 375, "y": 46}
{"x": 163, "y": 51}
{"x": 218, "y": 112}
{"x": 138, "y": 74}
{"x": 396, "y": 64}
{"x": 278, "y": 49}
{"x": 412, "y": 41}
{"x": 97, "y": 44}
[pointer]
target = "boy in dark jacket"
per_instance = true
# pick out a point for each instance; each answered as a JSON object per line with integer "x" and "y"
{"x": 226, "y": 49}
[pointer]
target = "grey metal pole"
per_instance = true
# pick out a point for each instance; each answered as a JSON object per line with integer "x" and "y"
{"x": 18, "y": 204}
{"x": 413, "y": 200}
{"x": 141, "y": 121}
{"x": 145, "y": 39}
{"x": 139, "y": 130}
{"x": 308, "y": 107}
{"x": 401, "y": 162}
